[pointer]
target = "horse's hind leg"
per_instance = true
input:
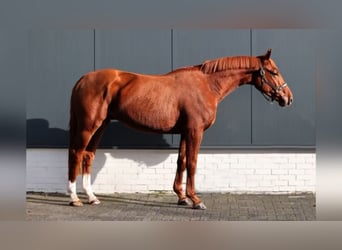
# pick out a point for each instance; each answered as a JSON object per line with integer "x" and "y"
{"x": 88, "y": 157}
{"x": 78, "y": 143}
{"x": 75, "y": 159}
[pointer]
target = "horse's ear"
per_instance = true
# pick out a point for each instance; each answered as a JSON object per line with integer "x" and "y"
{"x": 268, "y": 54}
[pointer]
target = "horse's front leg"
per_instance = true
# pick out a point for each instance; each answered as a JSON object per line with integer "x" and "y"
{"x": 193, "y": 142}
{"x": 75, "y": 167}
{"x": 181, "y": 165}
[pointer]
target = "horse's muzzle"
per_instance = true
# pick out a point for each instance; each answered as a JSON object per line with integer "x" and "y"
{"x": 285, "y": 101}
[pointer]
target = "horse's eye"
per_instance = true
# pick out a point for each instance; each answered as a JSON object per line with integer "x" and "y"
{"x": 275, "y": 73}
{"x": 272, "y": 72}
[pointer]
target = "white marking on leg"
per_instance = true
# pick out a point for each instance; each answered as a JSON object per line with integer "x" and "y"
{"x": 72, "y": 190}
{"x": 88, "y": 189}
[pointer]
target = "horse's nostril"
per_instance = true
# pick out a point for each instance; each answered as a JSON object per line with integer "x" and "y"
{"x": 290, "y": 100}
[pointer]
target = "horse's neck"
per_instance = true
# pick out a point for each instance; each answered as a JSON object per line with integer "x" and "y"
{"x": 225, "y": 82}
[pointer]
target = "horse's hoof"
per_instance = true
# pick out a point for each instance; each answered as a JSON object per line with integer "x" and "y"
{"x": 77, "y": 203}
{"x": 94, "y": 202}
{"x": 199, "y": 206}
{"x": 184, "y": 202}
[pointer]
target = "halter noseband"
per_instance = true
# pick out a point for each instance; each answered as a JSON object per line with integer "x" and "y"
{"x": 275, "y": 88}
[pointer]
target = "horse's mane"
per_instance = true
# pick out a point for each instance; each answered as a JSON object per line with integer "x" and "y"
{"x": 226, "y": 63}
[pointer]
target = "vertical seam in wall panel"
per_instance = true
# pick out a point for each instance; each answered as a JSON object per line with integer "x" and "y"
{"x": 171, "y": 61}
{"x": 251, "y": 87}
{"x": 94, "y": 39}
{"x": 171, "y": 49}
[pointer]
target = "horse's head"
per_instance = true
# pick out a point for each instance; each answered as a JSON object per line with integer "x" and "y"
{"x": 271, "y": 83}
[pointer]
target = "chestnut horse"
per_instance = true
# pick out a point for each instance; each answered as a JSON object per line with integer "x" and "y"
{"x": 183, "y": 102}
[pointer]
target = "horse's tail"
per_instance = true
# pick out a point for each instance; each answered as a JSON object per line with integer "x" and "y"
{"x": 72, "y": 128}
{"x": 73, "y": 118}
{"x": 73, "y": 124}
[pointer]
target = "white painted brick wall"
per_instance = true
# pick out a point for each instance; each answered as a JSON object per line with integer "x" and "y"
{"x": 154, "y": 170}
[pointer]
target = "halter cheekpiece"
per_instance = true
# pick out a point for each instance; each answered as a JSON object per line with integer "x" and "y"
{"x": 275, "y": 88}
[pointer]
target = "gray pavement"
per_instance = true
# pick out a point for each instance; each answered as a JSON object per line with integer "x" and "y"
{"x": 163, "y": 207}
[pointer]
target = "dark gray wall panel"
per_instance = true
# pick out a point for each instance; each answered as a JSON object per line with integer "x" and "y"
{"x": 233, "y": 121}
{"x": 57, "y": 59}
{"x": 294, "y": 54}
{"x": 141, "y": 51}
{"x": 13, "y": 72}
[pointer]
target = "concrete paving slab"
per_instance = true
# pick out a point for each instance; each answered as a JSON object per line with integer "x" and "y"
{"x": 163, "y": 207}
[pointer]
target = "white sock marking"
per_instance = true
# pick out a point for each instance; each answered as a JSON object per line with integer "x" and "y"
{"x": 72, "y": 190}
{"x": 87, "y": 187}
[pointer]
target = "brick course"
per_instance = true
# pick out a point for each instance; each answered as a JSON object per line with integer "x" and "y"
{"x": 143, "y": 171}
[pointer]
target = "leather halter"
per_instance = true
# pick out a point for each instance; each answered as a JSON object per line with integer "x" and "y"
{"x": 275, "y": 88}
